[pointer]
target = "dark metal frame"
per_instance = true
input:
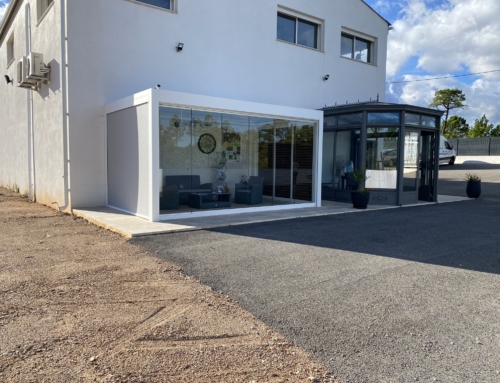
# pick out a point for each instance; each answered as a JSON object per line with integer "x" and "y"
{"x": 381, "y": 196}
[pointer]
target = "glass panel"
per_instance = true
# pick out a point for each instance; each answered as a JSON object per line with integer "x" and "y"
{"x": 382, "y": 158}
{"x": 263, "y": 130}
{"x": 350, "y": 119}
{"x": 330, "y": 121}
{"x": 362, "y": 50}
{"x": 175, "y": 159}
{"x": 157, "y": 3}
{"x": 303, "y": 162}
{"x": 346, "y": 46}
{"x": 429, "y": 121}
{"x": 412, "y": 119}
{"x": 384, "y": 118}
{"x": 346, "y": 158}
{"x": 283, "y": 159}
{"x": 286, "y": 28}
{"x": 411, "y": 155}
{"x": 307, "y": 34}
{"x": 426, "y": 167}
{"x": 327, "y": 183}
{"x": 236, "y": 144}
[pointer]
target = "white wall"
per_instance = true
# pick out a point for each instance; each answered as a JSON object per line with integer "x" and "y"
{"x": 47, "y": 110}
{"x": 119, "y": 47}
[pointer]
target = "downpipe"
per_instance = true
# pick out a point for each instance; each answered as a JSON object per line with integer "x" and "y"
{"x": 65, "y": 115}
{"x": 29, "y": 111}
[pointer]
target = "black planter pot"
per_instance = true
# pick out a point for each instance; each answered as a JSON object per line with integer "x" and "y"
{"x": 360, "y": 200}
{"x": 473, "y": 189}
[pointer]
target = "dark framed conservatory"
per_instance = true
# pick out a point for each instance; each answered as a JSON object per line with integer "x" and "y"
{"x": 397, "y": 145}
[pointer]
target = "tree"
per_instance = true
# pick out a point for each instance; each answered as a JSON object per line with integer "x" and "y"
{"x": 495, "y": 132}
{"x": 457, "y": 127}
{"x": 448, "y": 99}
{"x": 481, "y": 128}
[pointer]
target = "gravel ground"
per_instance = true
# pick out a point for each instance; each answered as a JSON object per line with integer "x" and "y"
{"x": 80, "y": 304}
{"x": 399, "y": 295}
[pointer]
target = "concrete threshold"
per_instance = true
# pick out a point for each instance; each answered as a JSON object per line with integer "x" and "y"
{"x": 131, "y": 226}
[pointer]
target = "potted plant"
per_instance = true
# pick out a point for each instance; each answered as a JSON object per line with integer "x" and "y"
{"x": 473, "y": 189}
{"x": 361, "y": 196}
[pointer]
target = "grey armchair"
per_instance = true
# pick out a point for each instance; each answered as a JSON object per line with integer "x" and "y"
{"x": 251, "y": 193}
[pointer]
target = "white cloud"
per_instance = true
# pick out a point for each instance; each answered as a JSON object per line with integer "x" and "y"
{"x": 454, "y": 36}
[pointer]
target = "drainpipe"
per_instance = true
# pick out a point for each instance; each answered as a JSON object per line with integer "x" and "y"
{"x": 65, "y": 115}
{"x": 29, "y": 111}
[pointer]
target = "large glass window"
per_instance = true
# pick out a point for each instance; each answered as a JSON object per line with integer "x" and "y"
{"x": 213, "y": 160}
{"x": 298, "y": 31}
{"x": 347, "y": 153}
{"x": 167, "y": 4}
{"x": 353, "y": 47}
{"x": 382, "y": 158}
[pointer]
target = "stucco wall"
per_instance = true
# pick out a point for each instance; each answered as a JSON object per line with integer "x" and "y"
{"x": 47, "y": 110}
{"x": 118, "y": 47}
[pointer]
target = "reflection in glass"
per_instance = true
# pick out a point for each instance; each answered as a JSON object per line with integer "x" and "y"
{"x": 350, "y": 119}
{"x": 327, "y": 183}
{"x": 346, "y": 46}
{"x": 158, "y": 3}
{"x": 346, "y": 158}
{"x": 286, "y": 28}
{"x": 412, "y": 119}
{"x": 382, "y": 158}
{"x": 411, "y": 158}
{"x": 303, "y": 162}
{"x": 329, "y": 121}
{"x": 362, "y": 50}
{"x": 429, "y": 121}
{"x": 307, "y": 34}
{"x": 384, "y": 118}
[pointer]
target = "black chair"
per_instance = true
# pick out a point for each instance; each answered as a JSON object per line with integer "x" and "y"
{"x": 251, "y": 193}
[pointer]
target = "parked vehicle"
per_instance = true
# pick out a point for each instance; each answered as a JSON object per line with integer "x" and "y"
{"x": 447, "y": 153}
{"x": 390, "y": 157}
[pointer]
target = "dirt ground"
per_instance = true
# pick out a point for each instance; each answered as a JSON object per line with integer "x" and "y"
{"x": 80, "y": 304}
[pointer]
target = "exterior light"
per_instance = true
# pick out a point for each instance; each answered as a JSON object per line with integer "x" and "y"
{"x": 326, "y": 77}
{"x": 179, "y": 47}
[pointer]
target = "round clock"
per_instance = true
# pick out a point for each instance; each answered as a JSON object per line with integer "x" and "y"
{"x": 207, "y": 143}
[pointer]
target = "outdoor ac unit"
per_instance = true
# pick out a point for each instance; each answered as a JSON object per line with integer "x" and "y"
{"x": 37, "y": 70}
{"x": 22, "y": 75}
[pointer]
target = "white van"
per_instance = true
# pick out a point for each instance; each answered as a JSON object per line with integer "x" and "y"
{"x": 447, "y": 154}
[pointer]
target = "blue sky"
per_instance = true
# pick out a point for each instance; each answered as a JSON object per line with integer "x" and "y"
{"x": 435, "y": 38}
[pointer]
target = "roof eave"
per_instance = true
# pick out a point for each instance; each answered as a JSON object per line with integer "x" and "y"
{"x": 379, "y": 15}
{"x": 7, "y": 16}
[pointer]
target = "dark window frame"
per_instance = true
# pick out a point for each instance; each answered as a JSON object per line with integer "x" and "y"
{"x": 354, "y": 38}
{"x": 297, "y": 21}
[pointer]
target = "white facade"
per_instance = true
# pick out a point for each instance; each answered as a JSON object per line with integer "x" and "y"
{"x": 117, "y": 48}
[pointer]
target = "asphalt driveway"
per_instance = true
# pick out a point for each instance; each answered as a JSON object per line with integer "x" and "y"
{"x": 398, "y": 295}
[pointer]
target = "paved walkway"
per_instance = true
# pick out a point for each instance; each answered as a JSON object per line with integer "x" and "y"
{"x": 131, "y": 226}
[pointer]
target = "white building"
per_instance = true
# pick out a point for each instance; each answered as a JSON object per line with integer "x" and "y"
{"x": 260, "y": 70}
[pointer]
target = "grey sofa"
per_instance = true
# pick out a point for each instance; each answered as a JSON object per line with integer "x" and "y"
{"x": 185, "y": 184}
{"x": 251, "y": 193}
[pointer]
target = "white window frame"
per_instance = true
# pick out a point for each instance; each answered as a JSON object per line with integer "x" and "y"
{"x": 173, "y": 5}
{"x": 306, "y": 17}
{"x": 42, "y": 8}
{"x": 362, "y": 36}
{"x": 10, "y": 50}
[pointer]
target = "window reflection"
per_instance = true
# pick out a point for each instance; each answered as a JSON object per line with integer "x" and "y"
{"x": 382, "y": 158}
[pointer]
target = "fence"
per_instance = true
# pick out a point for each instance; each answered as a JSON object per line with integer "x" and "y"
{"x": 484, "y": 146}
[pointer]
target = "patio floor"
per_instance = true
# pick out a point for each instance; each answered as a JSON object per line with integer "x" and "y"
{"x": 131, "y": 226}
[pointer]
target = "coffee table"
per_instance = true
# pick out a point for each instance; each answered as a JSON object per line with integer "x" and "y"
{"x": 209, "y": 200}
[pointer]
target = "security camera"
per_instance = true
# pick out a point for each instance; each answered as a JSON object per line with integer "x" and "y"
{"x": 326, "y": 77}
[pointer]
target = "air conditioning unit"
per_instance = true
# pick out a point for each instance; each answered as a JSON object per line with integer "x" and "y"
{"x": 22, "y": 75}
{"x": 37, "y": 70}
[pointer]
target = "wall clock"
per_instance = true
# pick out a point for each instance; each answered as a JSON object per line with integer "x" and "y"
{"x": 207, "y": 143}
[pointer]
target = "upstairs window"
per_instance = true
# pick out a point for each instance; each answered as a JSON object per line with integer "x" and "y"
{"x": 356, "y": 48}
{"x": 10, "y": 50}
{"x": 166, "y": 4}
{"x": 42, "y": 7}
{"x": 298, "y": 31}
